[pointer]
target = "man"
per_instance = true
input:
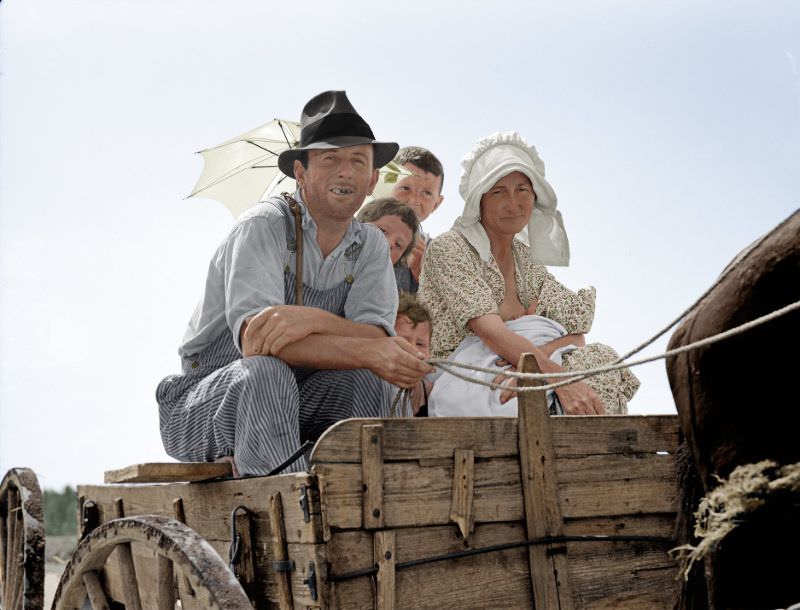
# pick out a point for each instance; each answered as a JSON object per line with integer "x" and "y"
{"x": 262, "y": 374}
{"x": 422, "y": 192}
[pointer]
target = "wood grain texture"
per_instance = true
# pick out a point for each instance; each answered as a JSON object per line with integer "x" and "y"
{"x": 372, "y": 475}
{"x": 168, "y": 472}
{"x": 461, "y": 505}
{"x": 548, "y": 563}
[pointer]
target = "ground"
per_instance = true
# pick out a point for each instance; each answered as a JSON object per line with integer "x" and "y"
{"x": 58, "y": 550}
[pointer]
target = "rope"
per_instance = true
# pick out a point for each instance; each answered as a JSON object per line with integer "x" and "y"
{"x": 574, "y": 376}
{"x": 748, "y": 488}
{"x": 725, "y": 272}
{"x": 581, "y": 375}
{"x": 402, "y": 400}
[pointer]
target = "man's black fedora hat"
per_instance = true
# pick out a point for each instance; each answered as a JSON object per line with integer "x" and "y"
{"x": 330, "y": 121}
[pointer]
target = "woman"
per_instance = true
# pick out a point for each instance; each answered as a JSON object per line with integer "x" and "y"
{"x": 483, "y": 284}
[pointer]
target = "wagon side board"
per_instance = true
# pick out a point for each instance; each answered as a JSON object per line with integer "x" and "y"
{"x": 615, "y": 476}
{"x": 208, "y": 508}
{"x": 430, "y": 513}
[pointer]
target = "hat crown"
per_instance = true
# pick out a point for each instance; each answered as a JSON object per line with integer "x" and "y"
{"x": 324, "y": 104}
{"x": 331, "y": 115}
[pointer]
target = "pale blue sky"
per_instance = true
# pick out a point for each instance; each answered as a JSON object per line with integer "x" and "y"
{"x": 670, "y": 131}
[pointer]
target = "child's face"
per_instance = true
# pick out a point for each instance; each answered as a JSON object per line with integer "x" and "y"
{"x": 398, "y": 234}
{"x": 419, "y": 336}
{"x": 421, "y": 192}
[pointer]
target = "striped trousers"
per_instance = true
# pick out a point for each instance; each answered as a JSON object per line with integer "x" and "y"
{"x": 259, "y": 409}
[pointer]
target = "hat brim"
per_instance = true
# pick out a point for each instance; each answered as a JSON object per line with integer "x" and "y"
{"x": 383, "y": 151}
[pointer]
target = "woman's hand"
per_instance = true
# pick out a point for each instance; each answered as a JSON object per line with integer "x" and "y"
{"x": 511, "y": 382}
{"x": 576, "y": 398}
{"x": 579, "y": 399}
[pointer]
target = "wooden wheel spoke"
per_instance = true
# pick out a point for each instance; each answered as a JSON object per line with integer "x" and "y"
{"x": 138, "y": 561}
{"x": 21, "y": 541}
{"x": 94, "y": 590}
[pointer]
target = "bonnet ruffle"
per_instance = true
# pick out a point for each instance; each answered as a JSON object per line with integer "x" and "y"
{"x": 492, "y": 158}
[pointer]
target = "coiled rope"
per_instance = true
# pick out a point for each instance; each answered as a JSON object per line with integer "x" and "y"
{"x": 748, "y": 489}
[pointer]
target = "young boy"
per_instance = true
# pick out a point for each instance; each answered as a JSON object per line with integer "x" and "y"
{"x": 397, "y": 222}
{"x": 422, "y": 192}
{"x": 401, "y": 229}
{"x": 413, "y": 324}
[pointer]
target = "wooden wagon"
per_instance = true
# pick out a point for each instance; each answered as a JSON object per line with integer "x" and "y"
{"x": 536, "y": 511}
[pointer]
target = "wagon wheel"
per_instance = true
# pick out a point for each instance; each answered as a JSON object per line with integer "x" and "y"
{"x": 157, "y": 562}
{"x": 21, "y": 541}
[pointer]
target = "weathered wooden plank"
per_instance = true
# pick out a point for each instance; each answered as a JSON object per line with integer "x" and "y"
{"x": 244, "y": 567}
{"x": 279, "y": 549}
{"x": 385, "y": 557}
{"x": 420, "y": 438}
{"x": 548, "y": 563}
{"x": 208, "y": 505}
{"x": 615, "y": 467}
{"x": 432, "y": 438}
{"x": 626, "y": 434}
{"x": 660, "y": 524}
{"x": 461, "y": 505}
{"x": 304, "y": 593}
{"x": 641, "y": 573}
{"x": 168, "y": 472}
{"x": 631, "y": 575}
{"x": 489, "y": 581}
{"x": 372, "y": 475}
{"x": 182, "y": 582}
{"x": 417, "y": 495}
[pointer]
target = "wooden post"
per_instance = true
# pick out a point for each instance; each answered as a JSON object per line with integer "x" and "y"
{"x": 127, "y": 569}
{"x": 184, "y": 586}
{"x": 245, "y": 568}
{"x": 372, "y": 475}
{"x": 548, "y": 563}
{"x": 461, "y": 511}
{"x": 385, "y": 559}
{"x": 279, "y": 549}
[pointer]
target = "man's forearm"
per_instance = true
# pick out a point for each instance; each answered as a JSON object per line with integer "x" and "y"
{"x": 327, "y": 352}
{"x": 331, "y": 324}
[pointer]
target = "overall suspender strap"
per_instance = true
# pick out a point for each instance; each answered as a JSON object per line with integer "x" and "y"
{"x": 298, "y": 237}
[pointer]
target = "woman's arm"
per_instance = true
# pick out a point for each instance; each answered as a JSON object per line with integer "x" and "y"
{"x": 578, "y": 340}
{"x": 576, "y": 398}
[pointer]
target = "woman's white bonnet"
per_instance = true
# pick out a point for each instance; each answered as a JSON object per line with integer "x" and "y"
{"x": 492, "y": 158}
